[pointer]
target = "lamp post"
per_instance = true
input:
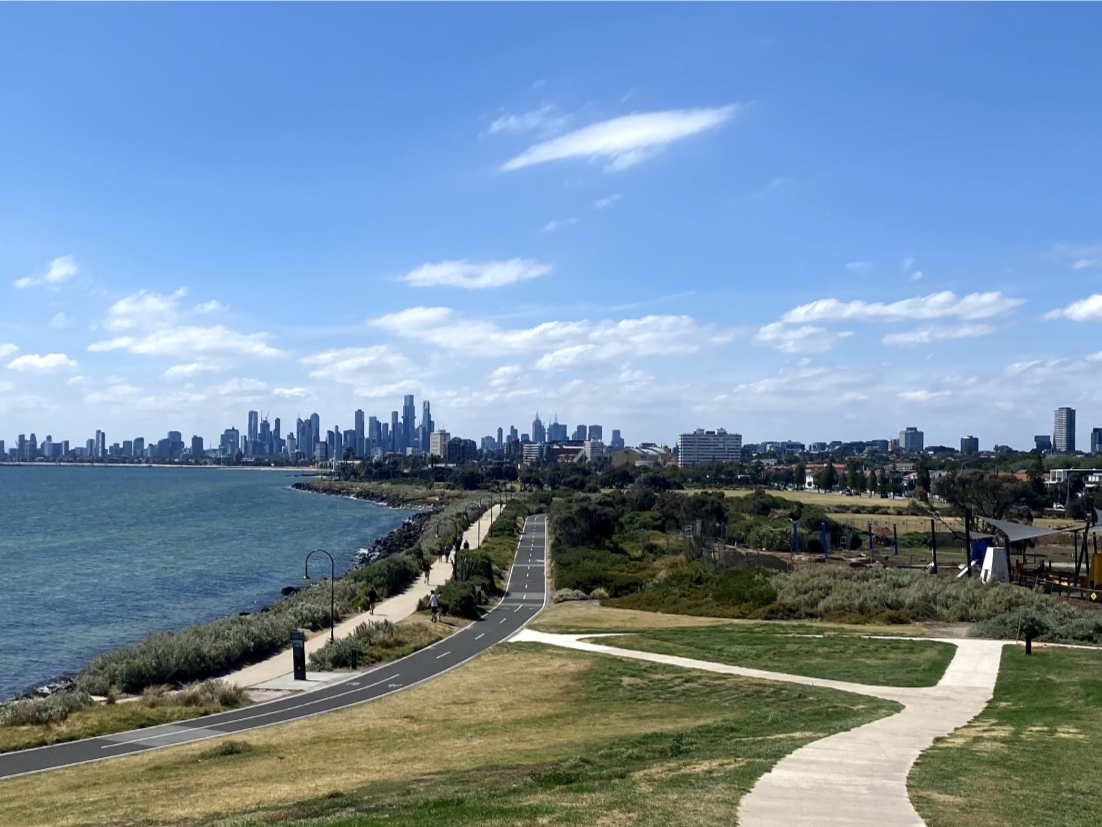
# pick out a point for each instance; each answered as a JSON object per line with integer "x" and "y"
{"x": 332, "y": 588}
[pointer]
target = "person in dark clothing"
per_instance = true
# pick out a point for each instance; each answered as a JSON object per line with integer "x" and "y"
{"x": 372, "y": 599}
{"x": 426, "y": 567}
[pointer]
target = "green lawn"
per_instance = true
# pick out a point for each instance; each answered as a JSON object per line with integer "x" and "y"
{"x": 788, "y": 648}
{"x": 524, "y": 734}
{"x": 1033, "y": 758}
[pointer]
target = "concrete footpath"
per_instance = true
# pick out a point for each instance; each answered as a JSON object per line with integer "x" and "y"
{"x": 856, "y": 778}
{"x": 275, "y": 676}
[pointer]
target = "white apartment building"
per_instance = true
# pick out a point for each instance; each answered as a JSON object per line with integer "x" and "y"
{"x": 438, "y": 444}
{"x": 708, "y": 446}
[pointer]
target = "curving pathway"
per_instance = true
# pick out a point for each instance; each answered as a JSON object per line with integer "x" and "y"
{"x": 856, "y": 778}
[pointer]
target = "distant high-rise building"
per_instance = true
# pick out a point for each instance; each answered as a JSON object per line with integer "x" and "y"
{"x": 360, "y": 435}
{"x": 427, "y": 426}
{"x": 969, "y": 445}
{"x": 1096, "y": 441}
{"x": 1063, "y": 431}
{"x": 315, "y": 435}
{"x": 254, "y": 425}
{"x": 396, "y": 441}
{"x": 911, "y": 440}
{"x": 538, "y": 432}
{"x": 350, "y": 441}
{"x": 513, "y": 435}
{"x": 596, "y": 432}
{"x": 708, "y": 446}
{"x": 500, "y": 442}
{"x": 409, "y": 414}
{"x": 438, "y": 444}
{"x": 196, "y": 447}
{"x": 1042, "y": 443}
{"x": 101, "y": 444}
{"x": 579, "y": 434}
{"x": 556, "y": 432}
{"x": 384, "y": 437}
{"x": 617, "y": 441}
{"x": 139, "y": 446}
{"x": 374, "y": 436}
{"x": 230, "y": 442}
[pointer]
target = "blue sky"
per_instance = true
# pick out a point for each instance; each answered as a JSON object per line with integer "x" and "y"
{"x": 797, "y": 222}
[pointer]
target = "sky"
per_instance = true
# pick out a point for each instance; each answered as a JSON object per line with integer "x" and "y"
{"x": 807, "y": 222}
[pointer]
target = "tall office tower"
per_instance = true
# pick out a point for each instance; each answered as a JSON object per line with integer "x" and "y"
{"x": 1096, "y": 441}
{"x": 1063, "y": 431}
{"x": 409, "y": 414}
{"x": 556, "y": 432}
{"x": 513, "y": 434}
{"x": 538, "y": 433}
{"x": 911, "y": 440}
{"x": 427, "y": 426}
{"x": 128, "y": 447}
{"x": 373, "y": 438}
{"x": 64, "y": 447}
{"x": 139, "y": 446}
{"x": 969, "y": 445}
{"x": 3, "y": 452}
{"x": 384, "y": 437}
{"x": 396, "y": 443}
{"x": 101, "y": 444}
{"x": 48, "y": 447}
{"x": 254, "y": 425}
{"x": 331, "y": 440}
{"x": 359, "y": 433}
{"x": 350, "y": 441}
{"x": 89, "y": 449}
{"x": 197, "y": 447}
{"x": 500, "y": 444}
{"x": 32, "y": 448}
{"x": 617, "y": 441}
{"x": 579, "y": 434}
{"x": 596, "y": 432}
{"x": 21, "y": 446}
{"x": 315, "y": 434}
{"x": 276, "y": 434}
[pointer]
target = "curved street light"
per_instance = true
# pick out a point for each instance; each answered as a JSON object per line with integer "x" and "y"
{"x": 332, "y": 588}
{"x": 458, "y": 530}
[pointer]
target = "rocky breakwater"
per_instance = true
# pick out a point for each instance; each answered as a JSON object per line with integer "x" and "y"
{"x": 401, "y": 538}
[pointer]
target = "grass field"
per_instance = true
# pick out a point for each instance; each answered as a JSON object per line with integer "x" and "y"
{"x": 817, "y": 498}
{"x": 521, "y": 735}
{"x": 1031, "y": 759}
{"x": 784, "y": 647}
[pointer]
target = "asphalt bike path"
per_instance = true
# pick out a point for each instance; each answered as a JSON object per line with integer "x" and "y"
{"x": 525, "y": 596}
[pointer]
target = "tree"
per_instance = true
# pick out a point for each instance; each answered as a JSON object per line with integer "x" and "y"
{"x": 883, "y": 484}
{"x": 827, "y": 478}
{"x": 987, "y": 495}
{"x": 874, "y": 489}
{"x": 800, "y": 476}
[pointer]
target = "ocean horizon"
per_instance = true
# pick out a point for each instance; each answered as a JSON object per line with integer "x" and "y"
{"x": 97, "y": 557}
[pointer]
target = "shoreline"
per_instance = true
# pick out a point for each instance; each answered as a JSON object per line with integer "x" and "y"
{"x": 381, "y": 548}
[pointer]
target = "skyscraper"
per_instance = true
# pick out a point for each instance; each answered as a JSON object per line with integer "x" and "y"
{"x": 514, "y": 435}
{"x": 374, "y": 437}
{"x": 427, "y": 426}
{"x": 384, "y": 438}
{"x": 911, "y": 440}
{"x": 596, "y": 432}
{"x": 409, "y": 416}
{"x": 254, "y": 425}
{"x": 500, "y": 443}
{"x": 359, "y": 433}
{"x": 1063, "y": 431}
{"x": 315, "y": 434}
{"x": 396, "y": 441}
{"x": 617, "y": 442}
{"x": 969, "y": 445}
{"x": 538, "y": 433}
{"x": 1096, "y": 441}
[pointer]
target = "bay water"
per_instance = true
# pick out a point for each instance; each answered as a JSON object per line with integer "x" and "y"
{"x": 93, "y": 558}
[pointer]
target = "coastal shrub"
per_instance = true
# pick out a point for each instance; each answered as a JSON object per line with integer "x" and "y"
{"x": 210, "y": 693}
{"x": 52, "y": 709}
{"x": 369, "y": 643}
{"x": 751, "y": 588}
{"x": 566, "y": 595}
{"x": 598, "y": 594}
{"x": 586, "y": 569}
{"x": 461, "y": 599}
{"x": 224, "y": 749}
{"x": 343, "y": 653}
{"x": 389, "y": 576}
{"x": 474, "y": 567}
{"x": 1053, "y": 622}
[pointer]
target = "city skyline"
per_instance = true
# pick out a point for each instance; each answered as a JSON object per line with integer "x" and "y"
{"x": 722, "y": 232}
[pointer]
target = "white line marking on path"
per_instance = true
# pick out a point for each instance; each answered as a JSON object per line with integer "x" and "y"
{"x": 481, "y": 636}
{"x": 443, "y": 655}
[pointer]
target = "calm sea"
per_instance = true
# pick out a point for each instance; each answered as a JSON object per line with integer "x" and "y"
{"x": 94, "y": 558}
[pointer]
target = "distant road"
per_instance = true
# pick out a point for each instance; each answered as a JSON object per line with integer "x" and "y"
{"x": 524, "y": 598}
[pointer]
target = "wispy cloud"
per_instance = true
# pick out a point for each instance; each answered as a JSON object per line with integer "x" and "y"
{"x": 7, "y": 350}
{"x": 1084, "y": 310}
{"x": 547, "y": 120}
{"x": 476, "y": 275}
{"x": 801, "y": 339}
{"x": 945, "y": 304}
{"x": 41, "y": 364}
{"x": 916, "y": 276}
{"x": 212, "y": 306}
{"x": 558, "y": 224}
{"x": 929, "y": 335}
{"x": 607, "y": 201}
{"x": 859, "y": 266}
{"x": 922, "y": 395}
{"x": 60, "y": 271}
{"x": 1080, "y": 256}
{"x": 189, "y": 370}
{"x": 59, "y": 320}
{"x": 624, "y": 141}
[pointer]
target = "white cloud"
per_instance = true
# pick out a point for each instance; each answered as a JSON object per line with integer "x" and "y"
{"x": 546, "y": 119}
{"x": 212, "y": 306}
{"x": 41, "y": 364}
{"x": 928, "y": 335}
{"x": 143, "y": 310}
{"x": 474, "y": 275}
{"x": 935, "y": 306}
{"x": 359, "y": 365}
{"x": 803, "y": 339}
{"x": 504, "y": 376}
{"x": 190, "y": 369}
{"x": 1084, "y": 310}
{"x": 61, "y": 270}
{"x": 59, "y": 320}
{"x": 6, "y": 386}
{"x": 1080, "y": 256}
{"x": 115, "y": 394}
{"x": 558, "y": 343}
{"x": 624, "y": 141}
{"x": 553, "y": 225}
{"x": 922, "y": 395}
{"x": 607, "y": 201}
{"x": 7, "y": 350}
{"x": 189, "y": 341}
{"x": 290, "y": 393}
{"x": 859, "y": 266}
{"x": 916, "y": 276}
{"x": 238, "y": 387}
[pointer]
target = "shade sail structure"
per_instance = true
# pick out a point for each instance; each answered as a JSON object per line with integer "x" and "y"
{"x": 1017, "y": 532}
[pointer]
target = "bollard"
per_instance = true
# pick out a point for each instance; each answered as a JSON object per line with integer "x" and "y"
{"x": 1029, "y": 643}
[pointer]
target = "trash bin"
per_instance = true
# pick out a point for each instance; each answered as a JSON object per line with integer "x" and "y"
{"x": 298, "y": 649}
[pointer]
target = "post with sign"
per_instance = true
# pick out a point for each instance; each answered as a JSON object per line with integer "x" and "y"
{"x": 298, "y": 649}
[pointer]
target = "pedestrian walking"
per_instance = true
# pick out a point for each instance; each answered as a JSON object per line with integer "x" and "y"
{"x": 434, "y": 603}
{"x": 372, "y": 599}
{"x": 426, "y": 567}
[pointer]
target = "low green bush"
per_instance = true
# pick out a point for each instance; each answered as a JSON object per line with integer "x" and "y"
{"x": 52, "y": 709}
{"x": 225, "y": 749}
{"x": 461, "y": 599}
{"x": 752, "y": 588}
{"x": 1052, "y": 622}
